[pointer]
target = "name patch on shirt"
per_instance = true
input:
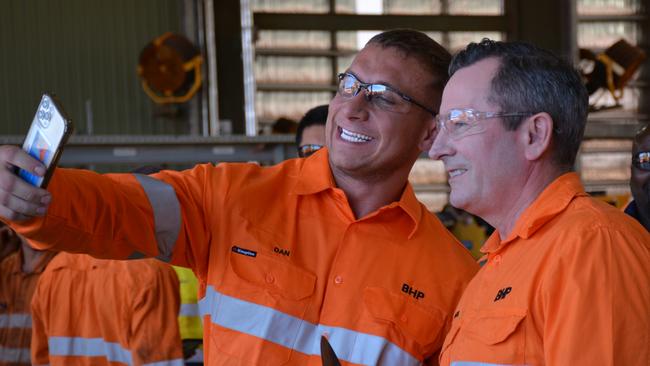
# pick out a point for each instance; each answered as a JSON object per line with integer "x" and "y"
{"x": 281, "y": 251}
{"x": 242, "y": 251}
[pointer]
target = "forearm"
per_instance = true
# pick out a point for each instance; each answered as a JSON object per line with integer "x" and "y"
{"x": 107, "y": 216}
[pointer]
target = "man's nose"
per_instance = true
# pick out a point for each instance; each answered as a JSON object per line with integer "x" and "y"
{"x": 357, "y": 106}
{"x": 440, "y": 146}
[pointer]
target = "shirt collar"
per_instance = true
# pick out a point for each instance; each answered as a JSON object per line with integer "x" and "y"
{"x": 552, "y": 201}
{"x": 316, "y": 176}
{"x": 410, "y": 204}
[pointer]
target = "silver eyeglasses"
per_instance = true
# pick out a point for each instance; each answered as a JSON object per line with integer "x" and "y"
{"x": 641, "y": 160}
{"x": 382, "y": 96}
{"x": 460, "y": 122}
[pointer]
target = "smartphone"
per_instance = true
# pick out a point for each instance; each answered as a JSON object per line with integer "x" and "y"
{"x": 46, "y": 137}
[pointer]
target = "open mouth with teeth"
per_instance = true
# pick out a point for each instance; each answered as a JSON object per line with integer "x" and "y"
{"x": 350, "y": 136}
{"x": 456, "y": 172}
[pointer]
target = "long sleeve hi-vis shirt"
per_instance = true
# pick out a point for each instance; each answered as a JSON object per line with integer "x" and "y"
{"x": 569, "y": 286}
{"x": 280, "y": 258}
{"x": 89, "y": 311}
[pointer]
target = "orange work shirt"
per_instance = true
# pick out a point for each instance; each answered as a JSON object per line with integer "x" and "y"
{"x": 280, "y": 257}
{"x": 568, "y": 286}
{"x": 16, "y": 291}
{"x": 89, "y": 311}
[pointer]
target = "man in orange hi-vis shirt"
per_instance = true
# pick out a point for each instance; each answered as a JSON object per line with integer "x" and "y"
{"x": 19, "y": 274}
{"x": 89, "y": 311}
{"x": 565, "y": 279}
{"x": 335, "y": 244}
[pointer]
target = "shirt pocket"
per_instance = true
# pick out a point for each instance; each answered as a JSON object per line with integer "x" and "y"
{"x": 262, "y": 301}
{"x": 496, "y": 336}
{"x": 401, "y": 320}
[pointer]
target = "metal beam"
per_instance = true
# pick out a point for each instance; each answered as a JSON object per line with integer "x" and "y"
{"x": 621, "y": 130}
{"x": 348, "y": 22}
{"x": 230, "y": 71}
{"x": 612, "y": 18}
{"x": 93, "y": 150}
{"x": 549, "y": 24}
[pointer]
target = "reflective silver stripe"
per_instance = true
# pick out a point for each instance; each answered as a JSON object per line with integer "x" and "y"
{"x": 189, "y": 310}
{"x": 470, "y": 363}
{"x": 291, "y": 332}
{"x": 90, "y": 347}
{"x": 14, "y": 355}
{"x": 166, "y": 213}
{"x": 176, "y": 362}
{"x": 15, "y": 321}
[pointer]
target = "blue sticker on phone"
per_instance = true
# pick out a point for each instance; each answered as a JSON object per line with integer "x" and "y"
{"x": 39, "y": 149}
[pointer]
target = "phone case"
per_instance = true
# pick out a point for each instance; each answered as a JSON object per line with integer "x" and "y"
{"x": 47, "y": 135}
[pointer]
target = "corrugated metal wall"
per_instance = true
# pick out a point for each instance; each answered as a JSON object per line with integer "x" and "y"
{"x": 86, "y": 52}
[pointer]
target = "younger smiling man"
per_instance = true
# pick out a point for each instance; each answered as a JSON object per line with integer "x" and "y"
{"x": 566, "y": 277}
{"x": 334, "y": 244}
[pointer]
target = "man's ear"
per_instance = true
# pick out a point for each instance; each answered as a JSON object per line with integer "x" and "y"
{"x": 537, "y": 133}
{"x": 429, "y": 134}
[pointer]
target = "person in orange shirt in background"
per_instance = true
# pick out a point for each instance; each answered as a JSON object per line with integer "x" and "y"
{"x": 19, "y": 273}
{"x": 565, "y": 277}
{"x": 89, "y": 311}
{"x": 335, "y": 244}
{"x": 639, "y": 208}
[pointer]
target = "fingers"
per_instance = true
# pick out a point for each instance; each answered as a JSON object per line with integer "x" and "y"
{"x": 20, "y": 200}
{"x": 17, "y": 157}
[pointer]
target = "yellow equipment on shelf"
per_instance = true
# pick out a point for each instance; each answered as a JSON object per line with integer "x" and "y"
{"x": 170, "y": 69}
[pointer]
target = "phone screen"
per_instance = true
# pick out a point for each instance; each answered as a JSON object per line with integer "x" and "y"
{"x": 44, "y": 137}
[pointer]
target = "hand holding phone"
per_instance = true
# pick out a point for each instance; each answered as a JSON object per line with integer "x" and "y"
{"x": 45, "y": 139}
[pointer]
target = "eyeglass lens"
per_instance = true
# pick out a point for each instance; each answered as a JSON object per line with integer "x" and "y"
{"x": 307, "y": 150}
{"x": 377, "y": 94}
{"x": 642, "y": 160}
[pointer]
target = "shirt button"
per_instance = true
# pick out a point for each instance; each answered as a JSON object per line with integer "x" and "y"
{"x": 338, "y": 280}
{"x": 269, "y": 278}
{"x": 404, "y": 318}
{"x": 497, "y": 259}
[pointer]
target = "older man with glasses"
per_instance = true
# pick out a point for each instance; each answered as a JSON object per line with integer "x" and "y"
{"x": 565, "y": 277}
{"x": 335, "y": 245}
{"x": 639, "y": 208}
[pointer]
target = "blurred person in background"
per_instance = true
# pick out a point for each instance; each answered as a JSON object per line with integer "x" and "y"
{"x": 639, "y": 208}
{"x": 19, "y": 273}
{"x": 89, "y": 311}
{"x": 310, "y": 135}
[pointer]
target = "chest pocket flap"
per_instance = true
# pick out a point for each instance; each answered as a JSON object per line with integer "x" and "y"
{"x": 495, "y": 326}
{"x": 275, "y": 276}
{"x": 421, "y": 323}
